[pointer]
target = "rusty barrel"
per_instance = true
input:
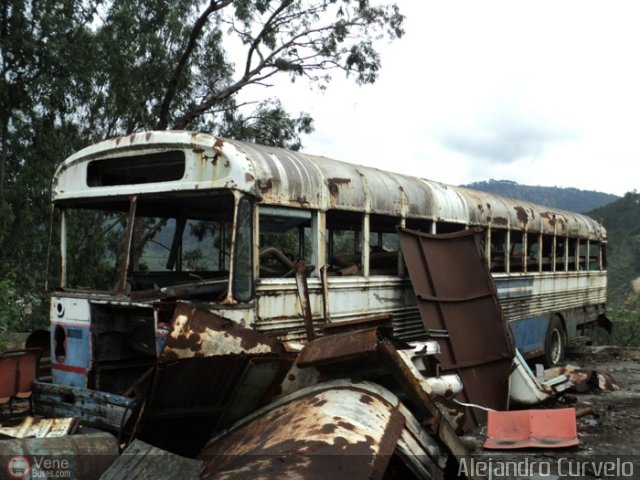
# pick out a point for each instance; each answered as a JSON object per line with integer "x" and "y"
{"x": 84, "y": 456}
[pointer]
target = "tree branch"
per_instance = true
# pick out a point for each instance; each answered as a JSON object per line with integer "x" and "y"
{"x": 265, "y": 29}
{"x": 198, "y": 27}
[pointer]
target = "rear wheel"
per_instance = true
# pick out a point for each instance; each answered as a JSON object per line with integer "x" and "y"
{"x": 554, "y": 343}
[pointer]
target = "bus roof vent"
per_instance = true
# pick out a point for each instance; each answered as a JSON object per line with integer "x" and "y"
{"x": 136, "y": 169}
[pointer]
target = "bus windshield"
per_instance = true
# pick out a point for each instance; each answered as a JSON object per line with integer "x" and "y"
{"x": 174, "y": 241}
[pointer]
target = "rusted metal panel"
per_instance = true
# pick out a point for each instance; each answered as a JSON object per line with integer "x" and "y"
{"x": 369, "y": 355}
{"x": 335, "y": 430}
{"x": 339, "y": 348}
{"x": 199, "y": 333}
{"x": 456, "y": 295}
{"x": 349, "y": 298}
{"x": 303, "y": 296}
{"x": 210, "y": 373}
{"x": 146, "y": 462}
{"x": 72, "y": 456}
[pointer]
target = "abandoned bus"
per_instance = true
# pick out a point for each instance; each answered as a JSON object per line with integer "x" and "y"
{"x": 153, "y": 219}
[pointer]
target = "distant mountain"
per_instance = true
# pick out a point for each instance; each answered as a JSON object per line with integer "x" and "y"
{"x": 571, "y": 199}
{"x": 622, "y": 221}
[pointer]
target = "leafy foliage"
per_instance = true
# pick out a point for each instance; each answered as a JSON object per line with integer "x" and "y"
{"x": 16, "y": 308}
{"x": 74, "y": 72}
{"x": 622, "y": 221}
{"x": 625, "y": 317}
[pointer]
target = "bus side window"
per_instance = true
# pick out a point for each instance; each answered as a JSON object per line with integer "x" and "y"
{"x": 344, "y": 237}
{"x": 548, "y": 260}
{"x": 498, "y": 249}
{"x": 572, "y": 255}
{"x": 594, "y": 255}
{"x": 383, "y": 241}
{"x": 419, "y": 224}
{"x": 561, "y": 244}
{"x": 583, "y": 255}
{"x": 448, "y": 227}
{"x": 533, "y": 253}
{"x": 516, "y": 252}
{"x": 285, "y": 237}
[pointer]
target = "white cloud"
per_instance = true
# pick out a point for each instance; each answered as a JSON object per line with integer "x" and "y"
{"x": 540, "y": 92}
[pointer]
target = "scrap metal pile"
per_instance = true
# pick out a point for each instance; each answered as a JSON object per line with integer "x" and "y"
{"x": 225, "y": 401}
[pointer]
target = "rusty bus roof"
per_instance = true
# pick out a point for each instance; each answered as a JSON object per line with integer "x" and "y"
{"x": 283, "y": 177}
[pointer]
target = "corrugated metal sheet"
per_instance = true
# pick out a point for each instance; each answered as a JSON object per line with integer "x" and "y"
{"x": 456, "y": 295}
{"x": 289, "y": 178}
{"x": 371, "y": 354}
{"x": 338, "y": 430}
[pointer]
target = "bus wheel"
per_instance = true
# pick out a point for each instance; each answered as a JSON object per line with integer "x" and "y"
{"x": 554, "y": 343}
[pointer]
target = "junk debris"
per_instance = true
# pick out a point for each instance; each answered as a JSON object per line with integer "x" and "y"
{"x": 553, "y": 428}
{"x": 41, "y": 427}
{"x": 354, "y": 403}
{"x": 458, "y": 299}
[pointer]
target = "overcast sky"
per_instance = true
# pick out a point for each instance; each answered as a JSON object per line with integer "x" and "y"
{"x": 539, "y": 92}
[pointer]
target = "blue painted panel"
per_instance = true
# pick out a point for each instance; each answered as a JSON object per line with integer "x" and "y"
{"x": 529, "y": 333}
{"x": 73, "y": 367}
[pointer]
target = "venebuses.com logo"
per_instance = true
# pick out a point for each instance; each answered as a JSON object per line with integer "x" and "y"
{"x": 18, "y": 467}
{"x": 38, "y": 467}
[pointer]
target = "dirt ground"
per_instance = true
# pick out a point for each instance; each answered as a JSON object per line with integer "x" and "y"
{"x": 609, "y": 438}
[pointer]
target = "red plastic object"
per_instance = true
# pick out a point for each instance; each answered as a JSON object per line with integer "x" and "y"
{"x": 532, "y": 428}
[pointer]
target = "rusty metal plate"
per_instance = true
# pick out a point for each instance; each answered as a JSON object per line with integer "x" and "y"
{"x": 338, "y": 348}
{"x": 210, "y": 373}
{"x": 333, "y": 430}
{"x": 457, "y": 295}
{"x": 199, "y": 333}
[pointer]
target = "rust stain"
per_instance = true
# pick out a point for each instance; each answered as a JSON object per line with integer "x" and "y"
{"x": 265, "y": 185}
{"x": 219, "y": 143}
{"x": 328, "y": 428}
{"x": 550, "y": 216}
{"x": 523, "y": 217}
{"x": 351, "y": 427}
{"x": 359, "y": 444}
{"x": 502, "y": 221}
{"x": 318, "y": 402}
{"x": 147, "y": 136}
{"x": 335, "y": 183}
{"x": 200, "y": 333}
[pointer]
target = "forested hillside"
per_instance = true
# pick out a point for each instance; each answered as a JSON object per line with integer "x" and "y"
{"x": 571, "y": 199}
{"x": 622, "y": 221}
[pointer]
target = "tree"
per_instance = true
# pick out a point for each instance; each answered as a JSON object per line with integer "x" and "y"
{"x": 176, "y": 72}
{"x": 78, "y": 71}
